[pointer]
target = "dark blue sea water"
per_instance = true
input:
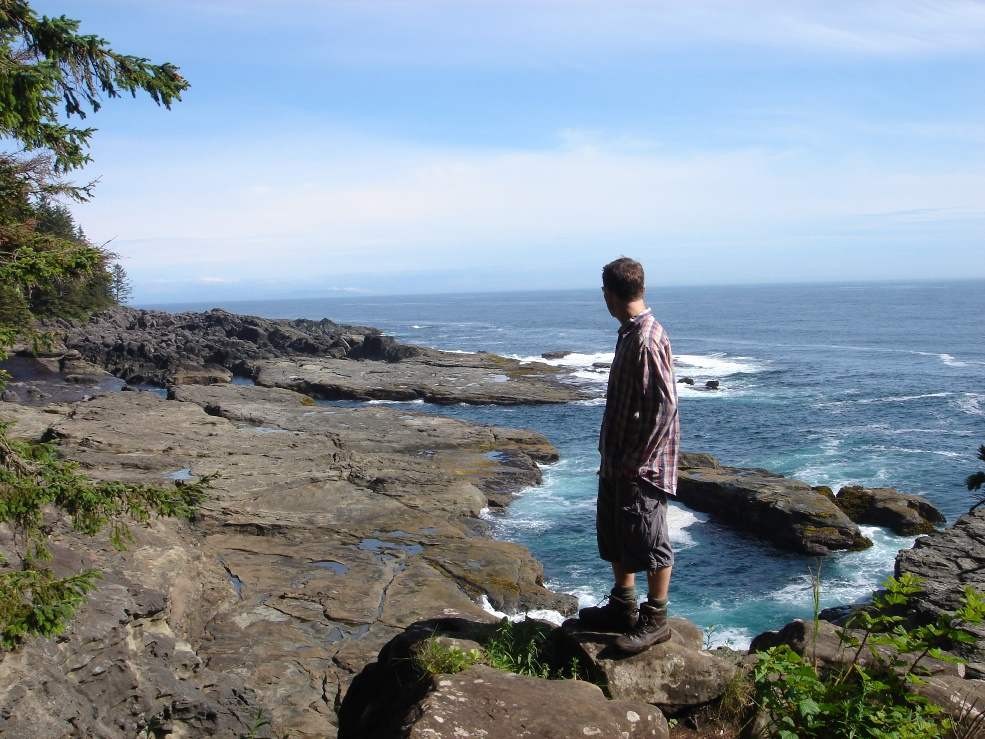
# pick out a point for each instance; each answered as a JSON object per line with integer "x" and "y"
{"x": 878, "y": 384}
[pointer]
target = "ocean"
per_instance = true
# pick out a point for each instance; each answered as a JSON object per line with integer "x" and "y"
{"x": 876, "y": 384}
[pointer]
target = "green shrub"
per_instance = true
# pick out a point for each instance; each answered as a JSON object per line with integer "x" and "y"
{"x": 436, "y": 658}
{"x": 33, "y": 480}
{"x": 876, "y": 700}
{"x": 518, "y": 647}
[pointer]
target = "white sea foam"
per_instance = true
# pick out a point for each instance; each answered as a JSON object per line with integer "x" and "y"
{"x": 545, "y": 614}
{"x": 907, "y": 450}
{"x": 971, "y": 403}
{"x": 575, "y": 359}
{"x": 949, "y": 359}
{"x": 849, "y": 576}
{"x": 734, "y": 637}
{"x": 417, "y": 401}
{"x": 591, "y": 401}
{"x": 718, "y": 364}
{"x": 678, "y": 521}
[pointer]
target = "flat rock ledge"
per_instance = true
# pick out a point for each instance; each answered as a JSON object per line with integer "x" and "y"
{"x": 329, "y": 531}
{"x": 785, "y": 512}
{"x": 434, "y": 377}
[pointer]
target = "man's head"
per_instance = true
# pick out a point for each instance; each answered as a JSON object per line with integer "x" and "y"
{"x": 622, "y": 284}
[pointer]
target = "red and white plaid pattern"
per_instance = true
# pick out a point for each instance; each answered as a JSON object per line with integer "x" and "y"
{"x": 640, "y": 437}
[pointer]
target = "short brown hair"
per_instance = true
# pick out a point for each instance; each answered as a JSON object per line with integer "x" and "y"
{"x": 624, "y": 278}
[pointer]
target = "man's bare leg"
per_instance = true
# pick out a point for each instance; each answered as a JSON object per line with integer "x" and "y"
{"x": 658, "y": 582}
{"x": 623, "y": 578}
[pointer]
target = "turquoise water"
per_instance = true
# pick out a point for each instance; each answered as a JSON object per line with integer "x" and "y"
{"x": 880, "y": 384}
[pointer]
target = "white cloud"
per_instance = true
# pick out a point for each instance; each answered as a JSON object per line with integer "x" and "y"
{"x": 357, "y": 205}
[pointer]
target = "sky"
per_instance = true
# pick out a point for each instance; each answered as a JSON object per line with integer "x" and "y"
{"x": 364, "y": 146}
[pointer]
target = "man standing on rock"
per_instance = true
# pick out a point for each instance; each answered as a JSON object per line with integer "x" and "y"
{"x": 639, "y": 444}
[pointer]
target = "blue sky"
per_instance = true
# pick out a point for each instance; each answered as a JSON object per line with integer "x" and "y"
{"x": 436, "y": 145}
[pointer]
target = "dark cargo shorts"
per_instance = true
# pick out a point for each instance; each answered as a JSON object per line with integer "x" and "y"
{"x": 631, "y": 524}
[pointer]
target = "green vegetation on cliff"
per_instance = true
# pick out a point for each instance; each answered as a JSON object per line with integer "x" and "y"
{"x": 876, "y": 697}
{"x": 50, "y": 77}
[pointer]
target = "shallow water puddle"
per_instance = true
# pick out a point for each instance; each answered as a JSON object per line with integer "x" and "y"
{"x": 378, "y": 545}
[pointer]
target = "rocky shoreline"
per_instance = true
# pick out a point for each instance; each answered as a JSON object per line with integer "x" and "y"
{"x": 332, "y": 530}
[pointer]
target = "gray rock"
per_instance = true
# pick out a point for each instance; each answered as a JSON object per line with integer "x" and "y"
{"x": 691, "y": 460}
{"x": 712, "y": 385}
{"x": 902, "y": 513}
{"x": 686, "y": 380}
{"x": 786, "y": 512}
{"x": 831, "y": 646}
{"x": 675, "y": 676}
{"x": 433, "y": 377}
{"x": 484, "y": 702}
{"x": 329, "y": 531}
{"x": 948, "y": 561}
{"x": 155, "y": 346}
{"x": 555, "y": 355}
{"x": 319, "y": 358}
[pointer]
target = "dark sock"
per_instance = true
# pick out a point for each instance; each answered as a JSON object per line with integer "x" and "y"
{"x": 625, "y": 593}
{"x": 657, "y": 602}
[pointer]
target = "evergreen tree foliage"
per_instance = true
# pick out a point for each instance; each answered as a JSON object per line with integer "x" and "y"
{"x": 120, "y": 286}
{"x": 45, "y": 64}
{"x": 50, "y": 77}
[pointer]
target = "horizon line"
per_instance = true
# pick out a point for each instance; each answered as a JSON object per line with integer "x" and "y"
{"x": 342, "y": 295}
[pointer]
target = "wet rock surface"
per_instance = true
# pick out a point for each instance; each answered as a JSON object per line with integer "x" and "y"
{"x": 328, "y": 532}
{"x": 786, "y": 512}
{"x": 676, "y": 676}
{"x": 902, "y": 513}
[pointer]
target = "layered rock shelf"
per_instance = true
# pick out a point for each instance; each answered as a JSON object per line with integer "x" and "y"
{"x": 948, "y": 561}
{"x": 436, "y": 377}
{"x": 322, "y": 358}
{"x": 329, "y": 530}
{"x": 787, "y": 512}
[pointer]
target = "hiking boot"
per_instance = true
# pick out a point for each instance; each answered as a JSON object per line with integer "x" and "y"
{"x": 618, "y": 614}
{"x": 650, "y": 629}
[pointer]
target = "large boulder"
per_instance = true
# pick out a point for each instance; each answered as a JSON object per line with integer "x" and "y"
{"x": 396, "y": 697}
{"x": 676, "y": 676}
{"x": 788, "y": 513}
{"x": 484, "y": 702}
{"x": 903, "y": 513}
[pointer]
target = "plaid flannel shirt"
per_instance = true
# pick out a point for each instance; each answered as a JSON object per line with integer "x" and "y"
{"x": 640, "y": 437}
